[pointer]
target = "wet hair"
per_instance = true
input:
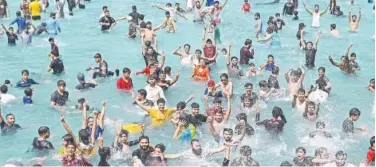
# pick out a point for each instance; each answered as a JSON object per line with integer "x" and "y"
{"x": 224, "y": 75}
{"x": 187, "y": 45}
{"x": 372, "y": 141}
{"x": 228, "y": 130}
{"x": 43, "y": 130}
{"x": 104, "y": 153}
{"x": 161, "y": 147}
{"x": 217, "y": 100}
{"x": 286, "y": 163}
{"x": 51, "y": 40}
{"x": 194, "y": 140}
{"x": 142, "y": 92}
{"x": 168, "y": 4}
{"x": 263, "y": 84}
{"x": 372, "y": 80}
{"x": 248, "y": 84}
{"x": 8, "y": 115}
{"x": 104, "y": 7}
{"x": 143, "y": 137}
{"x": 97, "y": 55}
{"x": 147, "y": 43}
{"x": 126, "y": 70}
{"x": 301, "y": 26}
{"x": 216, "y": 2}
{"x": 161, "y": 100}
{"x": 198, "y": 50}
{"x": 123, "y": 132}
{"x": 320, "y": 123}
{"x": 25, "y": 71}
{"x": 6, "y": 82}
{"x": 61, "y": 83}
{"x": 84, "y": 136}
{"x": 277, "y": 112}
{"x": 252, "y": 64}
{"x": 316, "y": 5}
{"x": 248, "y": 42}
{"x": 277, "y": 14}
{"x": 148, "y": 23}
{"x": 320, "y": 150}
{"x": 234, "y": 58}
{"x": 28, "y": 92}
{"x": 353, "y": 55}
{"x": 241, "y": 116}
{"x": 257, "y": 14}
{"x": 195, "y": 105}
{"x": 341, "y": 153}
{"x": 18, "y": 13}
{"x": 209, "y": 40}
{"x": 3, "y": 89}
{"x": 301, "y": 90}
{"x": 246, "y": 150}
{"x": 167, "y": 69}
{"x": 321, "y": 69}
{"x": 302, "y": 149}
{"x": 333, "y": 26}
{"x": 181, "y": 105}
{"x": 141, "y": 17}
{"x": 275, "y": 70}
{"x": 311, "y": 103}
{"x": 67, "y": 138}
{"x": 354, "y": 112}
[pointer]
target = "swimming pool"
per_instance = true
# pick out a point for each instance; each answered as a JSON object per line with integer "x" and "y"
{"x": 81, "y": 38}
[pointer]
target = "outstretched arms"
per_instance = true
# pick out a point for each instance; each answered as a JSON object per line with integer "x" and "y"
{"x": 309, "y": 11}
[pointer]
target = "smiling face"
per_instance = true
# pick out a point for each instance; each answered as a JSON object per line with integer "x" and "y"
{"x": 301, "y": 96}
{"x": 354, "y": 18}
{"x": 11, "y": 119}
{"x": 340, "y": 160}
{"x": 227, "y": 135}
{"x": 71, "y": 149}
{"x": 195, "y": 111}
{"x": 321, "y": 73}
{"x": 144, "y": 144}
{"x": 90, "y": 122}
{"x": 161, "y": 106}
{"x": 300, "y": 154}
{"x": 124, "y": 138}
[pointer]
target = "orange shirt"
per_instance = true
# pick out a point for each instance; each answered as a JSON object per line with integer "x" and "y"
{"x": 201, "y": 74}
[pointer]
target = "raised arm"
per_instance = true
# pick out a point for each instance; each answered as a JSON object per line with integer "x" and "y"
{"x": 317, "y": 40}
{"x": 176, "y": 52}
{"x": 322, "y": 13}
{"x": 309, "y": 11}
{"x": 350, "y": 14}
{"x": 94, "y": 129}
{"x": 204, "y": 37}
{"x": 102, "y": 114}
{"x": 224, "y": 4}
{"x": 302, "y": 39}
{"x": 1, "y": 117}
{"x": 293, "y": 103}
{"x": 116, "y": 140}
{"x": 69, "y": 131}
{"x": 84, "y": 116}
{"x": 159, "y": 7}
{"x": 360, "y": 15}
{"x": 175, "y": 80}
{"x": 228, "y": 55}
{"x": 5, "y": 29}
{"x": 217, "y": 150}
{"x": 228, "y": 113}
{"x": 145, "y": 108}
{"x": 162, "y": 25}
{"x": 348, "y": 50}
{"x": 333, "y": 62}
{"x": 190, "y": 98}
{"x": 212, "y": 129}
{"x": 163, "y": 60}
{"x": 181, "y": 15}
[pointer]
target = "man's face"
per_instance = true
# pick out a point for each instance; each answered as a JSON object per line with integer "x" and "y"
{"x": 11, "y": 30}
{"x": 355, "y": 118}
{"x": 151, "y": 81}
{"x": 209, "y": 44}
{"x": 354, "y": 18}
{"x": 317, "y": 8}
{"x": 217, "y": 105}
{"x": 107, "y": 14}
{"x": 186, "y": 49}
{"x": 124, "y": 138}
{"x": 126, "y": 74}
{"x": 198, "y": 54}
{"x": 202, "y": 62}
{"x": 320, "y": 129}
{"x": 309, "y": 45}
{"x": 300, "y": 154}
{"x": 144, "y": 144}
{"x": 198, "y": 5}
{"x": 248, "y": 90}
{"x": 252, "y": 68}
{"x": 256, "y": 17}
{"x": 162, "y": 76}
{"x": 247, "y": 102}
{"x": 167, "y": 16}
{"x": 25, "y": 76}
{"x": 234, "y": 62}
{"x": 218, "y": 117}
{"x": 140, "y": 96}
{"x": 157, "y": 152}
{"x": 324, "y": 155}
{"x": 161, "y": 106}
{"x": 150, "y": 51}
{"x": 148, "y": 26}
{"x": 90, "y": 122}
{"x": 61, "y": 88}
{"x": 224, "y": 80}
{"x": 311, "y": 109}
{"x": 216, "y": 4}
{"x": 340, "y": 160}
{"x": 196, "y": 148}
{"x": 97, "y": 60}
{"x": 301, "y": 96}
{"x": 227, "y": 135}
{"x": 195, "y": 111}
{"x": 352, "y": 58}
{"x": 321, "y": 73}
{"x": 48, "y": 134}
{"x": 11, "y": 120}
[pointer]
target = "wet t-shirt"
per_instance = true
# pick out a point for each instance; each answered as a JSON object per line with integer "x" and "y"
{"x": 322, "y": 83}
{"x": 323, "y": 134}
{"x": 85, "y": 86}
{"x": 23, "y": 84}
{"x": 348, "y": 126}
{"x": 142, "y": 154}
{"x": 103, "y": 67}
{"x": 197, "y": 120}
{"x": 245, "y": 55}
{"x": 57, "y": 66}
{"x": 252, "y": 98}
{"x": 307, "y": 161}
{"x": 12, "y": 38}
{"x": 59, "y": 99}
{"x": 8, "y": 130}
{"x": 288, "y": 8}
{"x": 135, "y": 16}
{"x": 55, "y": 49}
{"x": 310, "y": 57}
{"x": 235, "y": 71}
{"x": 42, "y": 144}
{"x": 273, "y": 82}
{"x": 272, "y": 125}
{"x": 27, "y": 100}
{"x": 244, "y": 162}
{"x": 105, "y": 19}
{"x": 152, "y": 57}
{"x": 280, "y": 23}
{"x": 191, "y": 158}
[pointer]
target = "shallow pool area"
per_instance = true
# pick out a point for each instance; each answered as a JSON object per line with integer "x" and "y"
{"x": 81, "y": 38}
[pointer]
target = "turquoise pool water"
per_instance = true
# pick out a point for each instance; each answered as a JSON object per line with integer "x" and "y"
{"x": 81, "y": 38}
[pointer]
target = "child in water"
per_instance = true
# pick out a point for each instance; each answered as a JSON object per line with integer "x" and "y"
{"x": 27, "y": 98}
{"x": 246, "y": 8}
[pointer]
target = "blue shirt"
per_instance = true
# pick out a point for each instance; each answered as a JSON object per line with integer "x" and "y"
{"x": 24, "y": 84}
{"x": 52, "y": 26}
{"x": 217, "y": 93}
{"x": 209, "y": 2}
{"x": 21, "y": 22}
{"x": 27, "y": 100}
{"x": 98, "y": 131}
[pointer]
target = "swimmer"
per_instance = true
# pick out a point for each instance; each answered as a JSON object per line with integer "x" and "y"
{"x": 271, "y": 39}
{"x": 315, "y": 15}
{"x": 142, "y": 100}
{"x": 25, "y": 81}
{"x": 311, "y": 111}
{"x": 27, "y": 98}
{"x": 132, "y": 29}
{"x": 56, "y": 65}
{"x": 107, "y": 22}
{"x": 135, "y": 16}
{"x": 151, "y": 56}
{"x": 171, "y": 10}
{"x": 247, "y": 52}
{"x": 321, "y": 157}
{"x": 102, "y": 69}
{"x": 273, "y": 81}
{"x": 8, "y": 126}
{"x": 323, "y": 82}
{"x": 27, "y": 34}
{"x": 294, "y": 82}
{"x": 5, "y": 97}
{"x": 167, "y": 71}
{"x": 354, "y": 20}
{"x": 184, "y": 131}
{"x": 60, "y": 96}
{"x": 104, "y": 153}
{"x": 243, "y": 124}
{"x": 181, "y": 112}
{"x": 333, "y": 30}
{"x": 40, "y": 143}
{"x": 288, "y": 8}
{"x": 80, "y": 104}
{"x": 156, "y": 158}
{"x": 338, "y": 11}
{"x": 249, "y": 98}
{"x": 54, "y": 47}
{"x": 201, "y": 71}
{"x": 60, "y": 8}
{"x": 332, "y": 6}
{"x": 320, "y": 131}
{"x": 371, "y": 85}
{"x": 220, "y": 118}
{"x": 121, "y": 143}
{"x": 301, "y": 159}
{"x": 279, "y": 22}
{"x": 348, "y": 125}
{"x": 169, "y": 23}
{"x": 4, "y": 10}
{"x": 160, "y": 114}
{"x": 216, "y": 11}
{"x": 299, "y": 101}
{"x": 21, "y": 22}
{"x": 226, "y": 86}
{"x": 345, "y": 65}
{"x": 209, "y": 48}
{"x": 355, "y": 66}
{"x": 178, "y": 8}
{"x": 341, "y": 158}
{"x": 186, "y": 58}
{"x": 233, "y": 69}
{"x": 84, "y": 85}
{"x": 310, "y": 49}
{"x": 125, "y": 82}
{"x": 275, "y": 124}
{"x": 41, "y": 29}
{"x": 212, "y": 90}
{"x": 12, "y": 37}
{"x": 246, "y": 7}
{"x": 140, "y": 155}
{"x": 258, "y": 25}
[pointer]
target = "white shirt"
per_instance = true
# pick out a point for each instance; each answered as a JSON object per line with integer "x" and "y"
{"x": 7, "y": 98}
{"x": 154, "y": 93}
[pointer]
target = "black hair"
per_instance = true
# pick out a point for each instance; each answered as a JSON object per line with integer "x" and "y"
{"x": 233, "y": 57}
{"x": 141, "y": 17}
{"x": 277, "y": 112}
{"x": 28, "y": 92}
{"x": 6, "y": 81}
{"x": 104, "y": 153}
{"x": 353, "y": 54}
{"x": 224, "y": 75}
{"x": 142, "y": 92}
{"x": 209, "y": 40}
{"x": 286, "y": 163}
{"x": 354, "y": 112}
{"x": 195, "y": 105}
{"x": 252, "y": 64}
{"x": 51, "y": 40}
{"x": 322, "y": 69}
{"x": 301, "y": 90}
{"x": 228, "y": 130}
{"x": 372, "y": 141}
{"x": 3, "y": 89}
{"x": 301, "y": 148}
{"x": 43, "y": 130}
{"x": 277, "y": 14}
{"x": 194, "y": 140}
{"x": 25, "y": 71}
{"x": 263, "y": 83}
{"x": 84, "y": 136}
{"x": 217, "y": 100}
{"x": 61, "y": 83}
{"x": 167, "y": 13}
{"x": 246, "y": 150}
{"x": 104, "y": 7}
{"x": 97, "y": 55}
{"x": 18, "y": 13}
{"x": 10, "y": 114}
{"x": 248, "y": 84}
{"x": 372, "y": 80}
{"x": 123, "y": 132}
{"x": 242, "y": 116}
{"x": 160, "y": 146}
{"x": 296, "y": 12}
{"x": 320, "y": 151}
{"x": 248, "y": 42}
{"x": 257, "y": 14}
{"x": 167, "y": 69}
{"x": 187, "y": 45}
{"x": 67, "y": 138}
{"x": 320, "y": 123}
{"x": 143, "y": 137}
{"x": 126, "y": 70}
{"x": 341, "y": 153}
{"x": 275, "y": 70}
{"x": 168, "y": 4}
{"x": 333, "y": 26}
{"x": 161, "y": 100}
{"x": 181, "y": 105}
{"x": 198, "y": 50}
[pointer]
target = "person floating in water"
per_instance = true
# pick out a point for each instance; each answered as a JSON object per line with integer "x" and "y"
{"x": 354, "y": 20}
{"x": 315, "y": 15}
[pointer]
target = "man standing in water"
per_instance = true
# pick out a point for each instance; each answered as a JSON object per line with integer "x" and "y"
{"x": 107, "y": 22}
{"x": 40, "y": 143}
{"x": 9, "y": 127}
{"x": 135, "y": 15}
{"x": 258, "y": 25}
{"x": 60, "y": 96}
{"x": 310, "y": 49}
{"x": 56, "y": 65}
{"x": 348, "y": 125}
{"x": 315, "y": 15}
{"x": 354, "y": 20}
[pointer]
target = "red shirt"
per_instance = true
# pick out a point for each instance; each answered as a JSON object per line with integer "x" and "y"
{"x": 246, "y": 7}
{"x": 124, "y": 84}
{"x": 209, "y": 52}
{"x": 370, "y": 155}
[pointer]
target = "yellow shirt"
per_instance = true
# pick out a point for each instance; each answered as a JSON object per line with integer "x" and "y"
{"x": 159, "y": 117}
{"x": 35, "y": 8}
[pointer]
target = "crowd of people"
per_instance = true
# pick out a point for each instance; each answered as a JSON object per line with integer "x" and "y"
{"x": 186, "y": 120}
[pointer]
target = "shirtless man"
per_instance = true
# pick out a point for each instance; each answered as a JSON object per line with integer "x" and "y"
{"x": 226, "y": 86}
{"x": 148, "y": 34}
{"x": 220, "y": 119}
{"x": 294, "y": 83}
{"x": 333, "y": 30}
{"x": 354, "y": 20}
{"x": 169, "y": 22}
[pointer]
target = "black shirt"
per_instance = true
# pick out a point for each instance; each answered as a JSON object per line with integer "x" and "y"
{"x": 288, "y": 8}
{"x": 142, "y": 24}
{"x": 57, "y": 66}
{"x": 106, "y": 19}
{"x": 103, "y": 67}
{"x": 273, "y": 82}
{"x": 135, "y": 17}
{"x": 272, "y": 125}
{"x": 348, "y": 126}
{"x": 85, "y": 86}
{"x": 6, "y": 130}
{"x": 280, "y": 23}
{"x": 142, "y": 155}
{"x": 310, "y": 57}
{"x": 307, "y": 161}
{"x": 42, "y": 145}
{"x": 12, "y": 38}
{"x": 197, "y": 120}
{"x": 60, "y": 99}
{"x": 55, "y": 49}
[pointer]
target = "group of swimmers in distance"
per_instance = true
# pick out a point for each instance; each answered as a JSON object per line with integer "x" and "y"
{"x": 186, "y": 120}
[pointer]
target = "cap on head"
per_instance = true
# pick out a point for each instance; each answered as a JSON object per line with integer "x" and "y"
{"x": 210, "y": 83}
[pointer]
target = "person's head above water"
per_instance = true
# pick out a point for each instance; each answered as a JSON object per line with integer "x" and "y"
{"x": 296, "y": 13}
{"x": 286, "y": 164}
{"x": 28, "y": 92}
{"x": 372, "y": 83}
{"x": 278, "y": 113}
{"x": 18, "y": 14}
{"x": 321, "y": 71}
{"x": 25, "y": 74}
{"x": 126, "y": 72}
{"x": 44, "y": 132}
{"x": 104, "y": 8}
{"x": 275, "y": 70}
{"x": 181, "y": 105}
{"x": 53, "y": 15}
{"x": 11, "y": 119}
{"x": 320, "y": 126}
{"x": 167, "y": 14}
{"x": 372, "y": 142}
{"x": 216, "y": 4}
{"x": 354, "y": 18}
{"x": 227, "y": 134}
{"x": 332, "y": 27}
{"x": 322, "y": 153}
{"x": 257, "y": 16}
{"x": 354, "y": 114}
{"x": 301, "y": 26}
{"x": 341, "y": 158}
{"x": 134, "y": 8}
{"x": 196, "y": 147}
{"x": 300, "y": 152}
{"x": 144, "y": 142}
{"x": 241, "y": 116}
{"x": 317, "y": 8}
{"x": 161, "y": 103}
{"x": 61, "y": 85}
{"x": 81, "y": 78}
{"x": 245, "y": 151}
{"x": 98, "y": 57}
